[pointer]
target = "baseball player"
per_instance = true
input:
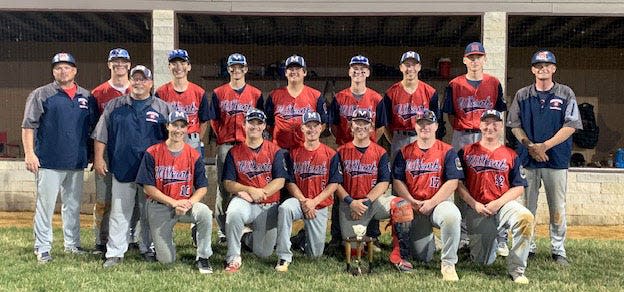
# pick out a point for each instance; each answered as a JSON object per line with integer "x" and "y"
{"x": 543, "y": 117}
{"x": 174, "y": 178}
{"x": 254, "y": 173}
{"x": 404, "y": 99}
{"x": 117, "y": 85}
{"x": 341, "y": 109}
{"x": 366, "y": 175}
{"x": 285, "y": 106}
{"x": 229, "y": 103}
{"x": 467, "y": 97}
{"x": 128, "y": 126}
{"x": 55, "y": 131}
{"x": 186, "y": 96}
{"x": 494, "y": 180}
{"x": 314, "y": 176}
{"x": 426, "y": 173}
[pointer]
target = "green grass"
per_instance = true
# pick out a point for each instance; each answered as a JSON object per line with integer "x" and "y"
{"x": 597, "y": 265}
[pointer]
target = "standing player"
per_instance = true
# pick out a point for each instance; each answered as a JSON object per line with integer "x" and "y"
{"x": 425, "y": 173}
{"x": 543, "y": 117}
{"x": 128, "y": 126}
{"x": 186, "y": 96}
{"x": 285, "y": 106}
{"x": 404, "y": 99}
{"x": 341, "y": 109}
{"x": 174, "y": 178}
{"x": 366, "y": 174}
{"x": 314, "y": 178}
{"x": 55, "y": 131}
{"x": 467, "y": 97}
{"x": 229, "y": 104}
{"x": 254, "y": 173}
{"x": 117, "y": 85}
{"x": 494, "y": 180}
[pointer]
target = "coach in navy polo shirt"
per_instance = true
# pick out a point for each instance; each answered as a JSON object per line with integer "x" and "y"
{"x": 55, "y": 130}
{"x": 128, "y": 126}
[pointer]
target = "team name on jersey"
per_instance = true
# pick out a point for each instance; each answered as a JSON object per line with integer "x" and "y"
{"x": 232, "y": 107}
{"x": 357, "y": 168}
{"x": 407, "y": 110}
{"x": 306, "y": 169}
{"x": 189, "y": 109}
{"x": 289, "y": 111}
{"x": 417, "y": 167}
{"x": 168, "y": 174}
{"x": 152, "y": 116}
{"x": 83, "y": 103}
{"x": 252, "y": 169}
{"x": 482, "y": 163}
{"x": 470, "y": 103}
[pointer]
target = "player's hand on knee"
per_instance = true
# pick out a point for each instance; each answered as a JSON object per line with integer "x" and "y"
{"x": 482, "y": 210}
{"x": 358, "y": 207}
{"x": 257, "y": 194}
{"x": 245, "y": 196}
{"x": 426, "y": 207}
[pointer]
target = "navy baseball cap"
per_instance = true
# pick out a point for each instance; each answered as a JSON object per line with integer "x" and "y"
{"x": 179, "y": 54}
{"x": 359, "y": 59}
{"x": 426, "y": 115}
{"x": 543, "y": 56}
{"x": 474, "y": 48}
{"x": 362, "y": 114}
{"x": 255, "y": 114}
{"x": 177, "y": 116}
{"x": 236, "y": 58}
{"x": 118, "y": 53}
{"x": 492, "y": 114}
{"x": 64, "y": 58}
{"x": 295, "y": 60}
{"x": 410, "y": 55}
{"x": 311, "y": 117}
{"x": 144, "y": 70}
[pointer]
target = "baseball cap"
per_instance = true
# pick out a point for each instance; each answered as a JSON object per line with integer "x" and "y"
{"x": 118, "y": 53}
{"x": 144, "y": 70}
{"x": 177, "y": 116}
{"x": 64, "y": 58}
{"x": 255, "y": 114}
{"x": 474, "y": 48}
{"x": 295, "y": 60}
{"x": 410, "y": 55}
{"x": 359, "y": 59}
{"x": 543, "y": 56}
{"x": 179, "y": 54}
{"x": 492, "y": 114}
{"x": 362, "y": 114}
{"x": 236, "y": 58}
{"x": 426, "y": 115}
{"x": 311, "y": 117}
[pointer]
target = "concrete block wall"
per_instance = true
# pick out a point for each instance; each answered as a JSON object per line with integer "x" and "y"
{"x": 595, "y": 196}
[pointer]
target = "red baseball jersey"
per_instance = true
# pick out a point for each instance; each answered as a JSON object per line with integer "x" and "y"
{"x": 192, "y": 101}
{"x": 402, "y": 106}
{"x": 288, "y": 111}
{"x": 311, "y": 171}
{"x": 227, "y": 114}
{"x": 104, "y": 93}
{"x": 489, "y": 174}
{"x": 172, "y": 175}
{"x": 255, "y": 167}
{"x": 347, "y": 104}
{"x": 361, "y": 171}
{"x": 424, "y": 170}
{"x": 469, "y": 102}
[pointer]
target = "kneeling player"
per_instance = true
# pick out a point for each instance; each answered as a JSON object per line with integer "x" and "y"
{"x": 494, "y": 180}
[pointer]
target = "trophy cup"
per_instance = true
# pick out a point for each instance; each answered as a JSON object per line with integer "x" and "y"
{"x": 359, "y": 240}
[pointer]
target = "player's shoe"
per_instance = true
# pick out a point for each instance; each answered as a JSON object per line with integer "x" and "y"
{"x": 99, "y": 249}
{"x": 133, "y": 246}
{"x": 404, "y": 266}
{"x": 520, "y": 279}
{"x": 449, "y": 273}
{"x": 561, "y": 260}
{"x": 532, "y": 255}
{"x": 111, "y": 262}
{"x": 149, "y": 256}
{"x": 502, "y": 249}
{"x": 76, "y": 250}
{"x": 282, "y": 266}
{"x": 234, "y": 266}
{"x": 222, "y": 241}
{"x": 44, "y": 257}
{"x": 204, "y": 267}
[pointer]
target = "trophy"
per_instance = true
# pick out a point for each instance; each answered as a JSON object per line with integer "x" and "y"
{"x": 360, "y": 241}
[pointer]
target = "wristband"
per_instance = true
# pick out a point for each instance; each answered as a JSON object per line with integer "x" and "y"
{"x": 367, "y": 203}
{"x": 348, "y": 200}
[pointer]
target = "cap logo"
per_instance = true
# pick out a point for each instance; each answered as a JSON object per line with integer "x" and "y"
{"x": 542, "y": 56}
{"x": 474, "y": 47}
{"x": 63, "y": 56}
{"x": 178, "y": 114}
{"x": 410, "y": 55}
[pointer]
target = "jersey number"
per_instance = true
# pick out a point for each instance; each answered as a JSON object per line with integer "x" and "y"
{"x": 434, "y": 182}
{"x": 499, "y": 180}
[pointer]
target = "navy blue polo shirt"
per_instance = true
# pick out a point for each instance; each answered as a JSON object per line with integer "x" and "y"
{"x": 62, "y": 125}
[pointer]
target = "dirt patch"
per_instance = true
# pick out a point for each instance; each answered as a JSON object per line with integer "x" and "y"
{"x": 25, "y": 219}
